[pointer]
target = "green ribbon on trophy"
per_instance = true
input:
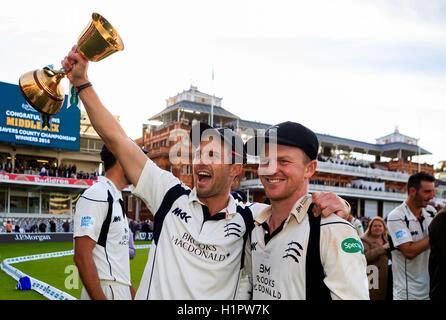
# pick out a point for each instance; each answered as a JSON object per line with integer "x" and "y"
{"x": 74, "y": 97}
{"x": 45, "y": 120}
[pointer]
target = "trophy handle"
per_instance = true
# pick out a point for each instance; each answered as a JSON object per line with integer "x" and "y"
{"x": 59, "y": 74}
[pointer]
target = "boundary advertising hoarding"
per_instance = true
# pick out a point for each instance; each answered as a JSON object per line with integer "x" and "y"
{"x": 44, "y": 180}
{"x": 20, "y": 123}
{"x": 36, "y": 237}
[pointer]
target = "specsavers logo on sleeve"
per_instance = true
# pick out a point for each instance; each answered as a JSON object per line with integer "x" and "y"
{"x": 87, "y": 221}
{"x": 351, "y": 245}
{"x": 400, "y": 234}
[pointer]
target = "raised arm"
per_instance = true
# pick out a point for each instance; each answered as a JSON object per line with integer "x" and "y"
{"x": 129, "y": 155}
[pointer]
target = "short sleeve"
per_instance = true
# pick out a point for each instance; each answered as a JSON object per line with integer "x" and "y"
{"x": 89, "y": 216}
{"x": 153, "y": 184}
{"x": 345, "y": 266}
{"x": 398, "y": 230}
{"x": 359, "y": 228}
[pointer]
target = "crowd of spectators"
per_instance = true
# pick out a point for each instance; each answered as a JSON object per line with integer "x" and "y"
{"x": 365, "y": 221}
{"x": 351, "y": 185}
{"x": 348, "y": 162}
{"x": 33, "y": 167}
{"x": 35, "y": 225}
{"x": 137, "y": 227}
{"x": 352, "y": 162}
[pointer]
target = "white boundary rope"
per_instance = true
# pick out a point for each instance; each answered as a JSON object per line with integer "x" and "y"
{"x": 41, "y": 287}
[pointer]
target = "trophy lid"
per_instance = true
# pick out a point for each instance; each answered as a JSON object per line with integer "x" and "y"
{"x": 107, "y": 31}
{"x": 99, "y": 39}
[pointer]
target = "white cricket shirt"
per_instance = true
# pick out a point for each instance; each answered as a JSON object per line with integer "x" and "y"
{"x": 92, "y": 215}
{"x": 194, "y": 255}
{"x": 279, "y": 259}
{"x": 410, "y": 276}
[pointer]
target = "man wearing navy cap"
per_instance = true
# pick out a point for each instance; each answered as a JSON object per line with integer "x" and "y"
{"x": 296, "y": 255}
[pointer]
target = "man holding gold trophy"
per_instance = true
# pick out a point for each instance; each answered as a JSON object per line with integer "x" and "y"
{"x": 172, "y": 271}
{"x": 41, "y": 88}
{"x": 100, "y": 245}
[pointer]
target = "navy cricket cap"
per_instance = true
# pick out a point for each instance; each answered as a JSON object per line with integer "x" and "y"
{"x": 287, "y": 133}
{"x": 201, "y": 131}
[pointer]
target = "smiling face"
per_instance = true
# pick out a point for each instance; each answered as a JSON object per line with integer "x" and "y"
{"x": 212, "y": 177}
{"x": 377, "y": 228}
{"x": 285, "y": 174}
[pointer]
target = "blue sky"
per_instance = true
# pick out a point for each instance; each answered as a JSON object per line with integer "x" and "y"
{"x": 354, "y": 69}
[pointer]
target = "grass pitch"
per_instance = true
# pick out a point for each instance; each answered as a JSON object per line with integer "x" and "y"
{"x": 57, "y": 272}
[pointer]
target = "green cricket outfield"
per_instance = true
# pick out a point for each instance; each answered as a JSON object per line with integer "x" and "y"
{"x": 59, "y": 272}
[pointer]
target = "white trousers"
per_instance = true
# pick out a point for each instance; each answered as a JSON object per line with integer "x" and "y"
{"x": 112, "y": 290}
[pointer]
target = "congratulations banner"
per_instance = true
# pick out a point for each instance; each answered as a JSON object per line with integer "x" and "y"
{"x": 20, "y": 123}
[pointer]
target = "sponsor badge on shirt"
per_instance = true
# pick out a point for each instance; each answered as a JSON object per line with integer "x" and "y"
{"x": 400, "y": 234}
{"x": 86, "y": 221}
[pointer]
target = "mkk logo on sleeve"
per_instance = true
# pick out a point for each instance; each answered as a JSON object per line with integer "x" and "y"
{"x": 183, "y": 215}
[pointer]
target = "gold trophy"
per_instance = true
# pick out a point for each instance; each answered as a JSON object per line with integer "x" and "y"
{"x": 41, "y": 88}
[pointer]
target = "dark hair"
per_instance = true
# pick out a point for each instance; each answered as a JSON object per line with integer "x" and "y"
{"x": 415, "y": 180}
{"x": 107, "y": 157}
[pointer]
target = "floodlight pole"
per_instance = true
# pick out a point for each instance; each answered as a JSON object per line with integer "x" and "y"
{"x": 212, "y": 100}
